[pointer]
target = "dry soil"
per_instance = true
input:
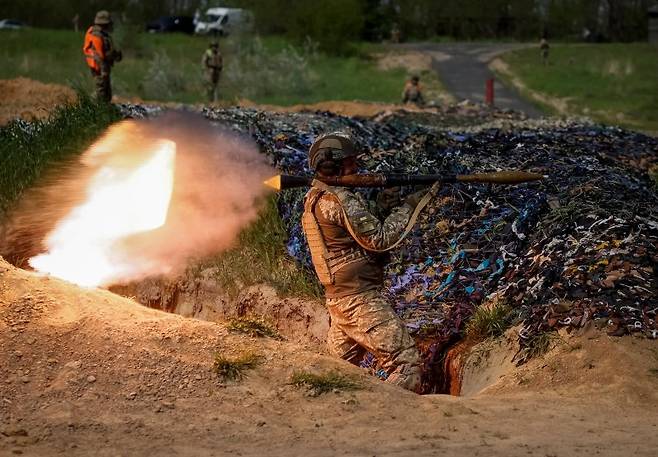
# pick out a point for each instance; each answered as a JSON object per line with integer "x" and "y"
{"x": 29, "y": 100}
{"x": 86, "y": 372}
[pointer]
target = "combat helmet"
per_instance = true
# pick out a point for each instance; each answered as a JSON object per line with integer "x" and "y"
{"x": 103, "y": 18}
{"x": 333, "y": 146}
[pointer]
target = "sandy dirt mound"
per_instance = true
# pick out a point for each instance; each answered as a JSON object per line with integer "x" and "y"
{"x": 412, "y": 61}
{"x": 85, "y": 372}
{"x": 28, "y": 99}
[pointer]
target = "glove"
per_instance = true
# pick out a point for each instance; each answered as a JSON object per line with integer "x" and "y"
{"x": 389, "y": 198}
{"x": 413, "y": 199}
{"x": 118, "y": 55}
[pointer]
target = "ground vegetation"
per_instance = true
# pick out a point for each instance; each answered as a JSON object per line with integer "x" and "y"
{"x": 168, "y": 68}
{"x": 611, "y": 83}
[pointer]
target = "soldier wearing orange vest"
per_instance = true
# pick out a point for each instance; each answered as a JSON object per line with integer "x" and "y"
{"x": 100, "y": 54}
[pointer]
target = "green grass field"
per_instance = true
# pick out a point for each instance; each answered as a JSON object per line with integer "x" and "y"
{"x": 167, "y": 68}
{"x": 611, "y": 83}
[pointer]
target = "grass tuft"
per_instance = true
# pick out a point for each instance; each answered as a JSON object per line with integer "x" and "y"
{"x": 233, "y": 368}
{"x": 538, "y": 345}
{"x": 489, "y": 322}
{"x": 254, "y": 326}
{"x": 318, "y": 384}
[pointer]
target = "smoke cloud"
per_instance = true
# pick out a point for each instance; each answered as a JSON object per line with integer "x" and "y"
{"x": 217, "y": 192}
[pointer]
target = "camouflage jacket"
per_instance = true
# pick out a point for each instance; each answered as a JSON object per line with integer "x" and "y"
{"x": 212, "y": 61}
{"x": 354, "y": 268}
{"x": 412, "y": 93}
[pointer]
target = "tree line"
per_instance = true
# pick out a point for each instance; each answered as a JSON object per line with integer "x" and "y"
{"x": 333, "y": 23}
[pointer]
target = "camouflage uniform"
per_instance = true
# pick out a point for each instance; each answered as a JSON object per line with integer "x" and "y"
{"x": 102, "y": 79}
{"x": 361, "y": 318}
{"x": 212, "y": 63}
{"x": 544, "y": 48}
{"x": 413, "y": 93}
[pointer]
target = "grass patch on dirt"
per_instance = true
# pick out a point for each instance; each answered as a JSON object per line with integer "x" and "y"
{"x": 611, "y": 83}
{"x": 233, "y": 368}
{"x": 26, "y": 150}
{"x": 167, "y": 67}
{"x": 539, "y": 344}
{"x": 253, "y": 326}
{"x": 319, "y": 384}
{"x": 261, "y": 258}
{"x": 489, "y": 322}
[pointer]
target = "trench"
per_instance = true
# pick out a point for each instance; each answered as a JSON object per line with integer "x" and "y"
{"x": 298, "y": 320}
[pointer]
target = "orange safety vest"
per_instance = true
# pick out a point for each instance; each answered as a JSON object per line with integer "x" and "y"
{"x": 93, "y": 50}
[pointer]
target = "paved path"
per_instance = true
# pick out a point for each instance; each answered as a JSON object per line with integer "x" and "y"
{"x": 463, "y": 69}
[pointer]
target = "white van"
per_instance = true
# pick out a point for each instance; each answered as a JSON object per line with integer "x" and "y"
{"x": 223, "y": 21}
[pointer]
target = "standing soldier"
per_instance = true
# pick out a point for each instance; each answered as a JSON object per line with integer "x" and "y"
{"x": 100, "y": 54}
{"x": 212, "y": 64}
{"x": 543, "y": 48}
{"x": 346, "y": 242}
{"x": 395, "y": 33}
{"x": 413, "y": 92}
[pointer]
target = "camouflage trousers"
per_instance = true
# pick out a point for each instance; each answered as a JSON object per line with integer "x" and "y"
{"x": 103, "y": 86}
{"x": 366, "y": 322}
{"x": 212, "y": 84}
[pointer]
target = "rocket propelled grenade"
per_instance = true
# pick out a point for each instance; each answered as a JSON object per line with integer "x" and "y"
{"x": 283, "y": 182}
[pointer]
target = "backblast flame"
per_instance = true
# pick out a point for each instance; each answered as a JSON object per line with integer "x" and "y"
{"x": 123, "y": 199}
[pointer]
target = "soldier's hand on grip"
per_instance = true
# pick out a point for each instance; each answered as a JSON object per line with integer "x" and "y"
{"x": 389, "y": 198}
{"x": 413, "y": 199}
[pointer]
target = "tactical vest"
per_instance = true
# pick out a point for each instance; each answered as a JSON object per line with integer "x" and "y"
{"x": 213, "y": 60}
{"x": 93, "y": 49}
{"x": 326, "y": 263}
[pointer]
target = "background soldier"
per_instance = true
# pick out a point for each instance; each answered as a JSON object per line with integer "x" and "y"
{"x": 100, "y": 54}
{"x": 346, "y": 241}
{"x": 413, "y": 92}
{"x": 212, "y": 64}
{"x": 544, "y": 48}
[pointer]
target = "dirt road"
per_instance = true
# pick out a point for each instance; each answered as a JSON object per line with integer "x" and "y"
{"x": 463, "y": 70}
{"x": 86, "y": 372}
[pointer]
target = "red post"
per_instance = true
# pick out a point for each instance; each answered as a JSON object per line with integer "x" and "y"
{"x": 489, "y": 94}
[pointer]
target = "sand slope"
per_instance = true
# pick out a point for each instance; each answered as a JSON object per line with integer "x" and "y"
{"x": 85, "y": 372}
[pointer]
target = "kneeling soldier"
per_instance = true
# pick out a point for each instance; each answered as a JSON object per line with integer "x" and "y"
{"x": 346, "y": 241}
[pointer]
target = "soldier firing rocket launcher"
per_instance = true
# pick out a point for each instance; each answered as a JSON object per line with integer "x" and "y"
{"x": 283, "y": 182}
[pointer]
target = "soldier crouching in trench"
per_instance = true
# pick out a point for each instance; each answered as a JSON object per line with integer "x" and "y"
{"x": 344, "y": 236}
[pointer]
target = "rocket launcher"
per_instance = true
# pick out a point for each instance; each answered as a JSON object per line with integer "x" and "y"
{"x": 283, "y": 182}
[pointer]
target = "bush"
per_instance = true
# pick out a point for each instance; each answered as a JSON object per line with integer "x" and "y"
{"x": 333, "y": 24}
{"x": 163, "y": 79}
{"x": 254, "y": 72}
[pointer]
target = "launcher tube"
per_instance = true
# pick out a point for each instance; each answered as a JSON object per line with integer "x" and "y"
{"x": 282, "y": 182}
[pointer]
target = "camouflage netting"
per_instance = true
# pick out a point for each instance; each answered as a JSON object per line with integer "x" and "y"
{"x": 578, "y": 249}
